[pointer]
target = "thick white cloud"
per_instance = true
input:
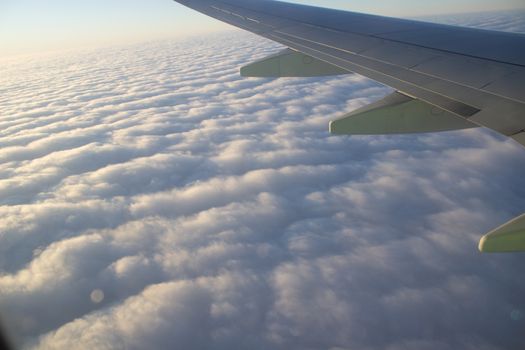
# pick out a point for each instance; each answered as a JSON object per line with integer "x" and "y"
{"x": 152, "y": 198}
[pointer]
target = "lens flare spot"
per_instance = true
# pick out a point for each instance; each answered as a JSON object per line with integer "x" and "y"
{"x": 97, "y": 296}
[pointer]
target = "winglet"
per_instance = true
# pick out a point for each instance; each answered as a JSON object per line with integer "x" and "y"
{"x": 510, "y": 237}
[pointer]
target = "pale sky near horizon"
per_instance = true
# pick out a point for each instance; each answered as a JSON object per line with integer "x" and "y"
{"x": 28, "y": 26}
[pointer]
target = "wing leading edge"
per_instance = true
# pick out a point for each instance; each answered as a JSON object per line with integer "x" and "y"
{"x": 446, "y": 77}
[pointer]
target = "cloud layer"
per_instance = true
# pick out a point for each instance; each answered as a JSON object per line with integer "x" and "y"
{"x": 152, "y": 198}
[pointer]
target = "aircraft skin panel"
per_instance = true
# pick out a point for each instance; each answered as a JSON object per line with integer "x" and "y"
{"x": 349, "y": 42}
{"x": 469, "y": 71}
{"x": 510, "y": 85}
{"x": 466, "y": 41}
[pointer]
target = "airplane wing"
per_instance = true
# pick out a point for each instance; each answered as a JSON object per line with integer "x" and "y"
{"x": 445, "y": 77}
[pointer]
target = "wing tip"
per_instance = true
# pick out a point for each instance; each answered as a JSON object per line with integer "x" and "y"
{"x": 331, "y": 127}
{"x": 482, "y": 246}
{"x": 510, "y": 237}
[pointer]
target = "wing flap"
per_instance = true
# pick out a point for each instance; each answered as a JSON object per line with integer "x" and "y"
{"x": 398, "y": 114}
{"x": 290, "y": 63}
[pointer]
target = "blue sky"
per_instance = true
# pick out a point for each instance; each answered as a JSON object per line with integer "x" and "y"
{"x": 32, "y": 25}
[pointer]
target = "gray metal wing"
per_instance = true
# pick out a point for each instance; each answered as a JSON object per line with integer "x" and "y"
{"x": 446, "y": 77}
{"x": 475, "y": 74}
